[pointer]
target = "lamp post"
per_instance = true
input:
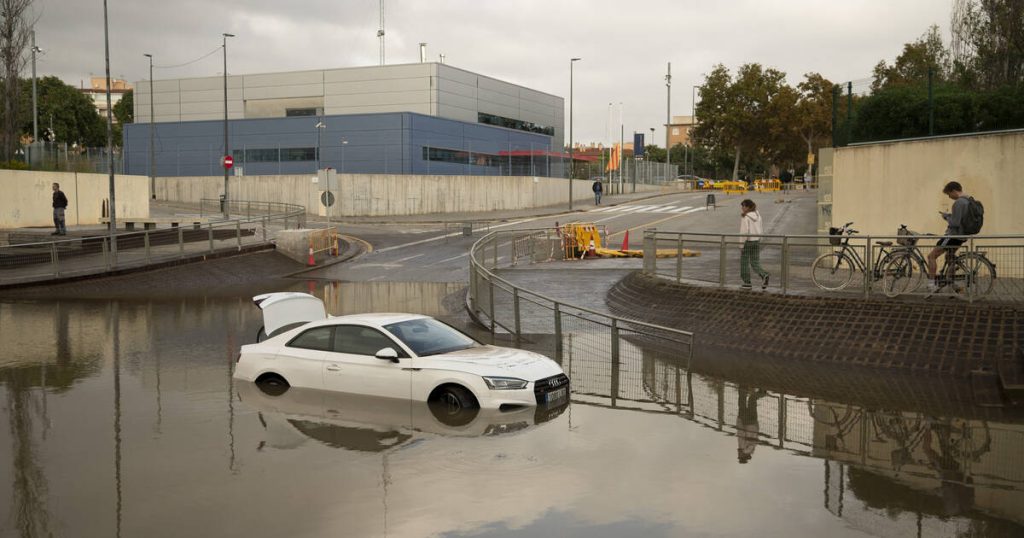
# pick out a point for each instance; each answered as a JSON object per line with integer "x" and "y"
{"x": 110, "y": 141}
{"x": 320, "y": 126}
{"x": 344, "y": 142}
{"x": 227, "y": 151}
{"x": 693, "y": 123}
{"x": 152, "y": 146}
{"x": 650, "y": 164}
{"x": 572, "y": 161}
{"x": 35, "y": 108}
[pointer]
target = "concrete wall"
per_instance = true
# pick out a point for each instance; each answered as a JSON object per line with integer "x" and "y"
{"x": 881, "y": 186}
{"x": 27, "y": 197}
{"x": 386, "y": 195}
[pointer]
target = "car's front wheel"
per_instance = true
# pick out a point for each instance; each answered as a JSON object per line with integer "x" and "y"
{"x": 454, "y": 397}
{"x": 272, "y": 384}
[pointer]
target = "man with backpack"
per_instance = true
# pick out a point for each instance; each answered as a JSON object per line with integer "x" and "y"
{"x": 966, "y": 218}
{"x": 598, "y": 189}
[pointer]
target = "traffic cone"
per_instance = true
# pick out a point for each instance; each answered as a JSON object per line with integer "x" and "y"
{"x": 311, "y": 260}
{"x": 625, "y": 242}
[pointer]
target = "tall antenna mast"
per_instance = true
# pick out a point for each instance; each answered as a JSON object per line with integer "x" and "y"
{"x": 380, "y": 32}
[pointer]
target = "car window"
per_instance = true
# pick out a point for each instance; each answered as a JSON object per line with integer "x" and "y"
{"x": 357, "y": 340}
{"x": 318, "y": 338}
{"x": 427, "y": 336}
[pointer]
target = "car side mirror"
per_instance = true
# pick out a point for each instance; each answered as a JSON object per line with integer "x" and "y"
{"x": 388, "y": 354}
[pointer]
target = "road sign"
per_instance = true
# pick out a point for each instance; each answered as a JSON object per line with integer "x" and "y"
{"x": 227, "y": 161}
{"x": 327, "y": 198}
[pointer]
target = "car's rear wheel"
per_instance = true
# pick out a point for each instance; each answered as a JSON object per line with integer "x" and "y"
{"x": 272, "y": 384}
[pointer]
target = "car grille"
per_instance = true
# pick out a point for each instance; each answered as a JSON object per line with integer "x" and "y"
{"x": 548, "y": 384}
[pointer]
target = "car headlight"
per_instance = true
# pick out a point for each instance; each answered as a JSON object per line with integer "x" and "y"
{"x": 505, "y": 383}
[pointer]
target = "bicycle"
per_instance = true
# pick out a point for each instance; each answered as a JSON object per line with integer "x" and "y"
{"x": 834, "y": 271}
{"x": 969, "y": 275}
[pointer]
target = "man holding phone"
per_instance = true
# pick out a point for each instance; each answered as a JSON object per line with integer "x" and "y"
{"x": 954, "y": 226}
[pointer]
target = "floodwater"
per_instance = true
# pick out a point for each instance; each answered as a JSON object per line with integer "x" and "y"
{"x": 122, "y": 419}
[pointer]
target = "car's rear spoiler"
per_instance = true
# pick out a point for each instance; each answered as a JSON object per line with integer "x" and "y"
{"x": 288, "y": 308}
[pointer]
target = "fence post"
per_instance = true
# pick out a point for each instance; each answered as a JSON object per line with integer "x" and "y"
{"x": 490, "y": 290}
{"x": 248, "y": 210}
{"x": 869, "y": 267}
{"x": 558, "y": 334}
{"x": 472, "y": 285}
{"x": 721, "y": 263}
{"x": 515, "y": 312}
{"x": 679, "y": 259}
{"x": 106, "y": 253}
{"x": 238, "y": 233}
{"x": 181, "y": 242}
{"x": 495, "y": 259}
{"x": 650, "y": 251}
{"x": 53, "y": 259}
{"x": 210, "y": 231}
{"x": 145, "y": 244}
{"x": 264, "y": 229}
{"x": 782, "y": 420}
{"x": 785, "y": 264}
{"x": 614, "y": 389}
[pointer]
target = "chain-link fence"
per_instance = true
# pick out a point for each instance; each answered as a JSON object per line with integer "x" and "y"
{"x": 60, "y": 157}
{"x": 247, "y": 223}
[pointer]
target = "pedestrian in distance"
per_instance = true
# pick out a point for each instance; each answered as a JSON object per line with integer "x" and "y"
{"x": 750, "y": 255}
{"x": 60, "y": 203}
{"x": 598, "y": 188}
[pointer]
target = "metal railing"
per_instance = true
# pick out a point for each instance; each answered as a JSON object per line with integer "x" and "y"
{"x": 89, "y": 255}
{"x": 789, "y": 260}
{"x": 547, "y": 324}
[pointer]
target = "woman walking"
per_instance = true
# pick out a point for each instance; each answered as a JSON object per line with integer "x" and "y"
{"x": 750, "y": 257}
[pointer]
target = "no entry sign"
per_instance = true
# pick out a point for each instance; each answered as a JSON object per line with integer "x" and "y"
{"x": 227, "y": 161}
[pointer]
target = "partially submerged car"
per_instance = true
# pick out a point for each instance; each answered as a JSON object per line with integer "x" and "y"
{"x": 404, "y": 356}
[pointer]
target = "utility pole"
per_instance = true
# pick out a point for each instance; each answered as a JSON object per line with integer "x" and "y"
{"x": 227, "y": 151}
{"x": 110, "y": 140}
{"x": 668, "y": 116}
{"x": 152, "y": 144}
{"x": 380, "y": 33}
{"x": 35, "y": 107}
{"x": 572, "y": 162}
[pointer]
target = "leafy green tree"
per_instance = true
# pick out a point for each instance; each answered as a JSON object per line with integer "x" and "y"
{"x": 814, "y": 111}
{"x": 913, "y": 64}
{"x": 988, "y": 42}
{"x": 124, "y": 110}
{"x": 70, "y": 112}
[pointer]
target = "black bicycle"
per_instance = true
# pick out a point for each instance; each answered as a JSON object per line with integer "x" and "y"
{"x": 969, "y": 275}
{"x": 834, "y": 270}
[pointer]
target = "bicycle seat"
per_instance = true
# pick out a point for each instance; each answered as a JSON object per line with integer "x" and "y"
{"x": 884, "y": 243}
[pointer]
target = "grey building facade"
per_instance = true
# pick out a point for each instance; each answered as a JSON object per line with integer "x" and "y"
{"x": 418, "y": 118}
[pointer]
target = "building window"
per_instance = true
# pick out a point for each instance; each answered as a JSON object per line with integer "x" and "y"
{"x": 458, "y": 156}
{"x": 675, "y": 131}
{"x": 519, "y": 125}
{"x": 298, "y": 154}
{"x": 290, "y": 112}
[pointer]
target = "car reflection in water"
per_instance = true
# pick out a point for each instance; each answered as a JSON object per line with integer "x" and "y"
{"x": 372, "y": 424}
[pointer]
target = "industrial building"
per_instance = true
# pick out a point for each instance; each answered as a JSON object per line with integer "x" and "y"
{"x": 425, "y": 118}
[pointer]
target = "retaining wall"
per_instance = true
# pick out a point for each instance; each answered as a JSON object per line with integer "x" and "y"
{"x": 27, "y": 198}
{"x": 379, "y": 195}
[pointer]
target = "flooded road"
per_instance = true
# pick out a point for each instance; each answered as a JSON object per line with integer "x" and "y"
{"x": 122, "y": 419}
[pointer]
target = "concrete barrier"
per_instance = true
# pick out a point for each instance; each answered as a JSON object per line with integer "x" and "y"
{"x": 27, "y": 197}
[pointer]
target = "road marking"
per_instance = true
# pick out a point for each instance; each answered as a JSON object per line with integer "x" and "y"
{"x": 407, "y": 258}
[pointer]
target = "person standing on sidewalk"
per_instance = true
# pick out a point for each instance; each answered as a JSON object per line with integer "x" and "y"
{"x": 598, "y": 190}
{"x": 750, "y": 257}
{"x": 60, "y": 203}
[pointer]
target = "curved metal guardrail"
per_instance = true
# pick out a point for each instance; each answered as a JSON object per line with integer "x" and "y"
{"x": 89, "y": 255}
{"x": 789, "y": 259}
{"x": 573, "y": 335}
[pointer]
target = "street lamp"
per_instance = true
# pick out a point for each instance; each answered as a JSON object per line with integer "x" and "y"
{"x": 693, "y": 121}
{"x": 35, "y": 108}
{"x": 320, "y": 126}
{"x": 152, "y": 146}
{"x": 344, "y": 143}
{"x": 227, "y": 152}
{"x": 572, "y": 161}
{"x": 110, "y": 141}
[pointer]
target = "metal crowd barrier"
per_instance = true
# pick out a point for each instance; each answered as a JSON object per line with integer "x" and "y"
{"x": 88, "y": 255}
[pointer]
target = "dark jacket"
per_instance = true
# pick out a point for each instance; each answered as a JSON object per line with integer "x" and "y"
{"x": 597, "y": 186}
{"x": 59, "y": 200}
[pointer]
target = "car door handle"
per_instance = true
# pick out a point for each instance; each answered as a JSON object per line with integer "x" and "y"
{"x": 333, "y": 368}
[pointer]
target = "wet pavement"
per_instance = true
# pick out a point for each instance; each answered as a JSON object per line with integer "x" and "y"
{"x": 123, "y": 420}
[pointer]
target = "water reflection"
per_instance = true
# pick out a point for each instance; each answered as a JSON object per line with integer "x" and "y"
{"x": 123, "y": 418}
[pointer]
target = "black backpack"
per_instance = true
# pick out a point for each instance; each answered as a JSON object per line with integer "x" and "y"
{"x": 974, "y": 219}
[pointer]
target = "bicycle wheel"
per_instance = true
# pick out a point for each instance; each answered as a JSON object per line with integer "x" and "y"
{"x": 973, "y": 276}
{"x": 901, "y": 274}
{"x": 832, "y": 271}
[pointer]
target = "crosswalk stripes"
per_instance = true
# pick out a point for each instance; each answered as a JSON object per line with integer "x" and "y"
{"x": 662, "y": 209}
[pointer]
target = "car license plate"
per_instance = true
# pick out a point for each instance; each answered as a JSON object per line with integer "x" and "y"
{"x": 556, "y": 395}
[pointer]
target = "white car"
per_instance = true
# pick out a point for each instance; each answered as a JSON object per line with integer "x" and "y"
{"x": 406, "y": 356}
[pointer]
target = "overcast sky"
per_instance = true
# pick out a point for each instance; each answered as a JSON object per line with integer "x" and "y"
{"x": 624, "y": 45}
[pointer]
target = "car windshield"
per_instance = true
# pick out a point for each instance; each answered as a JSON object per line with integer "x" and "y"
{"x": 427, "y": 336}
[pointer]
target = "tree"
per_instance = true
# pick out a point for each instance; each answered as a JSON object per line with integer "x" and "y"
{"x": 70, "y": 112}
{"x": 124, "y": 110}
{"x": 814, "y": 110}
{"x": 751, "y": 114}
{"x": 925, "y": 54}
{"x": 988, "y": 41}
{"x": 15, "y": 32}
